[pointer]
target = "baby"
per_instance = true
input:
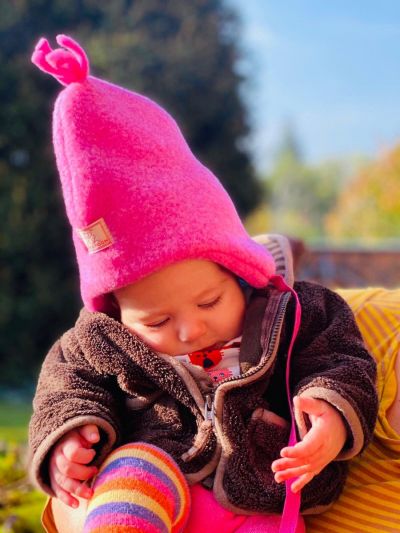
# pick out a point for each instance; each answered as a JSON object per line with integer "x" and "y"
{"x": 175, "y": 387}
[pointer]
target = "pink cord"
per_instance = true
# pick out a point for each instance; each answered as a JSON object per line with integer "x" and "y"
{"x": 291, "y": 509}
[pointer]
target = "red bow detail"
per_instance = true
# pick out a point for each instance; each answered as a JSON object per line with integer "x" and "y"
{"x": 209, "y": 358}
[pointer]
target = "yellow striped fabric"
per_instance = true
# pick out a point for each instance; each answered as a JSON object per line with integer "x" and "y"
{"x": 370, "y": 502}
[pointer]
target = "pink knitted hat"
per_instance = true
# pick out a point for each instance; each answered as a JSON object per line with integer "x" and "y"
{"x": 136, "y": 197}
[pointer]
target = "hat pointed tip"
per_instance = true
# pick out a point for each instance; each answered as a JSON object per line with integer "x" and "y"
{"x": 68, "y": 64}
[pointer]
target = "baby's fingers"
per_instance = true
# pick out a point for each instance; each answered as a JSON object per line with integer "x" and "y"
{"x": 290, "y": 473}
{"x": 284, "y": 464}
{"x": 64, "y": 496}
{"x": 74, "y": 470}
{"x": 301, "y": 482}
{"x": 71, "y": 486}
{"x": 90, "y": 432}
{"x": 76, "y": 454}
{"x": 309, "y": 446}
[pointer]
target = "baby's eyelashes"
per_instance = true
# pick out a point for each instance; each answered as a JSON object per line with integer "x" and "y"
{"x": 206, "y": 305}
{"x": 209, "y": 305}
{"x": 157, "y": 324}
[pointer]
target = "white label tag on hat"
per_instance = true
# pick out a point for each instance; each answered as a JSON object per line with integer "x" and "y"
{"x": 96, "y": 236}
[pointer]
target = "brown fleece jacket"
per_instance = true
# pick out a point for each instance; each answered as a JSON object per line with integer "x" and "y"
{"x": 98, "y": 372}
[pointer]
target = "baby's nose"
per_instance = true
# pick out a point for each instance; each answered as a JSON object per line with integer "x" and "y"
{"x": 191, "y": 330}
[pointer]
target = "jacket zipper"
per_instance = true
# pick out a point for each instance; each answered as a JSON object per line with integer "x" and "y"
{"x": 274, "y": 334}
{"x": 209, "y": 409}
{"x": 209, "y": 406}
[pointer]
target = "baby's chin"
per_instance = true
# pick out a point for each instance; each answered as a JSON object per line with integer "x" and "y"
{"x": 208, "y": 348}
{"x": 215, "y": 346}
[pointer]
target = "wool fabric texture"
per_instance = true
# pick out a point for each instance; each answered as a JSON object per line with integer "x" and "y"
{"x": 136, "y": 197}
{"x": 139, "y": 488}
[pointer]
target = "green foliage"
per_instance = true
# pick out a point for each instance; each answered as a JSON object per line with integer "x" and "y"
{"x": 14, "y": 418}
{"x": 259, "y": 220}
{"x": 25, "y": 516}
{"x": 11, "y": 469}
{"x": 301, "y": 194}
{"x": 369, "y": 208}
{"x": 181, "y": 53}
{"x": 20, "y": 504}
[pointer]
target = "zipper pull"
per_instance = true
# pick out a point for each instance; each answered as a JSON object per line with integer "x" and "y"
{"x": 209, "y": 408}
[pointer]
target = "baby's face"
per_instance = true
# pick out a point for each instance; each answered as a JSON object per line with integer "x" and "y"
{"x": 184, "y": 307}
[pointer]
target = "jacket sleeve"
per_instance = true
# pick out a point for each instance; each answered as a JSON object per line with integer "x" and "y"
{"x": 70, "y": 394}
{"x": 330, "y": 362}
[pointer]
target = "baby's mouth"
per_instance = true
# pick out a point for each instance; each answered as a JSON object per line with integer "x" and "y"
{"x": 210, "y": 348}
{"x": 215, "y": 346}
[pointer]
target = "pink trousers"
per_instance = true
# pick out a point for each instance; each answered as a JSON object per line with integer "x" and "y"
{"x": 207, "y": 515}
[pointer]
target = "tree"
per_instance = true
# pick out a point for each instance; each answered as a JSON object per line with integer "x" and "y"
{"x": 301, "y": 194}
{"x": 369, "y": 208}
{"x": 181, "y": 53}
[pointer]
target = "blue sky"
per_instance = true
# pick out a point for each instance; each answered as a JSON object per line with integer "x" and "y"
{"x": 331, "y": 69}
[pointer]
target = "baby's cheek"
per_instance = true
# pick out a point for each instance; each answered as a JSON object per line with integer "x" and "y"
{"x": 153, "y": 341}
{"x": 158, "y": 341}
{"x": 147, "y": 336}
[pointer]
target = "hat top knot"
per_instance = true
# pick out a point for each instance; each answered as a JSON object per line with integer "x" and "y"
{"x": 68, "y": 64}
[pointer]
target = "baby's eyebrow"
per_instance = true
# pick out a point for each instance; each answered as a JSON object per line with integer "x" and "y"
{"x": 208, "y": 294}
{"x": 214, "y": 288}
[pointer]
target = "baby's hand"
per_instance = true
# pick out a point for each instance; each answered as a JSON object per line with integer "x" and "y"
{"x": 66, "y": 468}
{"x": 320, "y": 446}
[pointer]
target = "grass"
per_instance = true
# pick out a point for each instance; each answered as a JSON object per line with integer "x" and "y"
{"x": 20, "y": 505}
{"x": 14, "y": 418}
{"x": 26, "y": 515}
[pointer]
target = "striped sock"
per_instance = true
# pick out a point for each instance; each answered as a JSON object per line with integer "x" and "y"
{"x": 139, "y": 489}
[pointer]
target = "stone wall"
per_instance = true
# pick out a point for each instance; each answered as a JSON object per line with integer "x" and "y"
{"x": 350, "y": 268}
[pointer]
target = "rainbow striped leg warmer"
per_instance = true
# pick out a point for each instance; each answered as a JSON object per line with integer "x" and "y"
{"x": 139, "y": 489}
